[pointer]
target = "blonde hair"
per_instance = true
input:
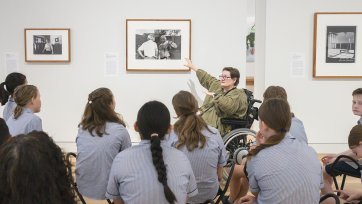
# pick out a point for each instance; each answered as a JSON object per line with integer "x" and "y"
{"x": 189, "y": 125}
{"x": 23, "y": 94}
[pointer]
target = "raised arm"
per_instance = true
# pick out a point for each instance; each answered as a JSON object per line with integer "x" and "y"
{"x": 190, "y": 65}
{"x": 205, "y": 79}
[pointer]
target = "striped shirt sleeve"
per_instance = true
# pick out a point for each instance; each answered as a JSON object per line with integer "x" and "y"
{"x": 112, "y": 187}
{"x": 253, "y": 183}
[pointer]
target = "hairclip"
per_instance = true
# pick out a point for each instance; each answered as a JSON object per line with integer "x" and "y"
{"x": 5, "y": 88}
{"x": 89, "y": 102}
{"x": 154, "y": 135}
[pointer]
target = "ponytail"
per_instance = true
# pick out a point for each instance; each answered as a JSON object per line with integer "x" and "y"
{"x": 273, "y": 140}
{"x": 189, "y": 131}
{"x": 153, "y": 121}
{"x": 190, "y": 125}
{"x": 157, "y": 159}
{"x": 18, "y": 111}
{"x": 7, "y": 87}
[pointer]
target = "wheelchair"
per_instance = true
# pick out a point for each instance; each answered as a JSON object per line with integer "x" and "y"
{"x": 238, "y": 141}
{"x": 335, "y": 172}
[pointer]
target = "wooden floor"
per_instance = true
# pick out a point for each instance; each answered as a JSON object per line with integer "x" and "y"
{"x": 351, "y": 183}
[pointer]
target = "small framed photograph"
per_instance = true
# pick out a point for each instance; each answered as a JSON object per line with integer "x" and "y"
{"x": 157, "y": 44}
{"x": 47, "y": 44}
{"x": 337, "y": 45}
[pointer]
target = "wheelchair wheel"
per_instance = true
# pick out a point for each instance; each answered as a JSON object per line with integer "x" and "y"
{"x": 234, "y": 142}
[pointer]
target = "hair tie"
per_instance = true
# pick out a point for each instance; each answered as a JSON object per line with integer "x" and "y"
{"x": 283, "y": 130}
{"x": 5, "y": 88}
{"x": 154, "y": 135}
{"x": 190, "y": 113}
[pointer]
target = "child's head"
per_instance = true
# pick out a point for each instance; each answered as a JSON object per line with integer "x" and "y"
{"x": 274, "y": 114}
{"x": 189, "y": 126}
{"x": 274, "y": 122}
{"x": 99, "y": 110}
{"x": 26, "y": 96}
{"x": 153, "y": 118}
{"x": 275, "y": 92}
{"x": 7, "y": 88}
{"x": 34, "y": 161}
{"x": 357, "y": 102}
{"x": 184, "y": 104}
{"x": 4, "y": 132}
{"x": 355, "y": 140}
{"x": 153, "y": 123}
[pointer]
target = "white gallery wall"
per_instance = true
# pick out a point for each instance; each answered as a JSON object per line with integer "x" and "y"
{"x": 98, "y": 27}
{"x": 284, "y": 28}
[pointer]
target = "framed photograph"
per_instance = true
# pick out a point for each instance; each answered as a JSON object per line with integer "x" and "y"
{"x": 337, "y": 45}
{"x": 250, "y": 39}
{"x": 157, "y": 44}
{"x": 47, "y": 44}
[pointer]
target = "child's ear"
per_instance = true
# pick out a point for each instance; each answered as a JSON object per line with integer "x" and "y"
{"x": 31, "y": 102}
{"x": 169, "y": 130}
{"x": 263, "y": 126}
{"x": 136, "y": 127}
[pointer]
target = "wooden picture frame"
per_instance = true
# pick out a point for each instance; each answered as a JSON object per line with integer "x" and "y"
{"x": 47, "y": 44}
{"x": 337, "y": 45}
{"x": 157, "y": 44}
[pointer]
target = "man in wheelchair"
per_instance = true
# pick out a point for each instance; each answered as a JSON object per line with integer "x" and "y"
{"x": 223, "y": 99}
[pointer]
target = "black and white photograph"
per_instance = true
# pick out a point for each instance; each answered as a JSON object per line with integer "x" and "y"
{"x": 250, "y": 39}
{"x": 47, "y": 44}
{"x": 158, "y": 44}
{"x": 341, "y": 44}
{"x": 337, "y": 45}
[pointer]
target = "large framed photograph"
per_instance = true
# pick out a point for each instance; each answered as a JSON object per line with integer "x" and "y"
{"x": 157, "y": 44}
{"x": 337, "y": 45}
{"x": 47, "y": 44}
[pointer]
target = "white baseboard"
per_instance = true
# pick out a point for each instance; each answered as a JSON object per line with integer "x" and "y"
{"x": 329, "y": 148}
{"x": 319, "y": 147}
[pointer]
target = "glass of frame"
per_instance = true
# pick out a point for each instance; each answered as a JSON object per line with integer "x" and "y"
{"x": 337, "y": 45}
{"x": 157, "y": 44}
{"x": 47, "y": 44}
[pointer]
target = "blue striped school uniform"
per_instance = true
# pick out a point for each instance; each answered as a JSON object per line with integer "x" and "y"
{"x": 25, "y": 123}
{"x": 95, "y": 157}
{"x": 9, "y": 109}
{"x": 134, "y": 178}
{"x": 204, "y": 163}
{"x": 288, "y": 172}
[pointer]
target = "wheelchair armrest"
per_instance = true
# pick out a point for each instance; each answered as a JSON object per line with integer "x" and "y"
{"x": 234, "y": 121}
{"x": 345, "y": 157}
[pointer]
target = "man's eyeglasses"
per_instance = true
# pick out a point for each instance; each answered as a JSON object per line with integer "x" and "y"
{"x": 224, "y": 77}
